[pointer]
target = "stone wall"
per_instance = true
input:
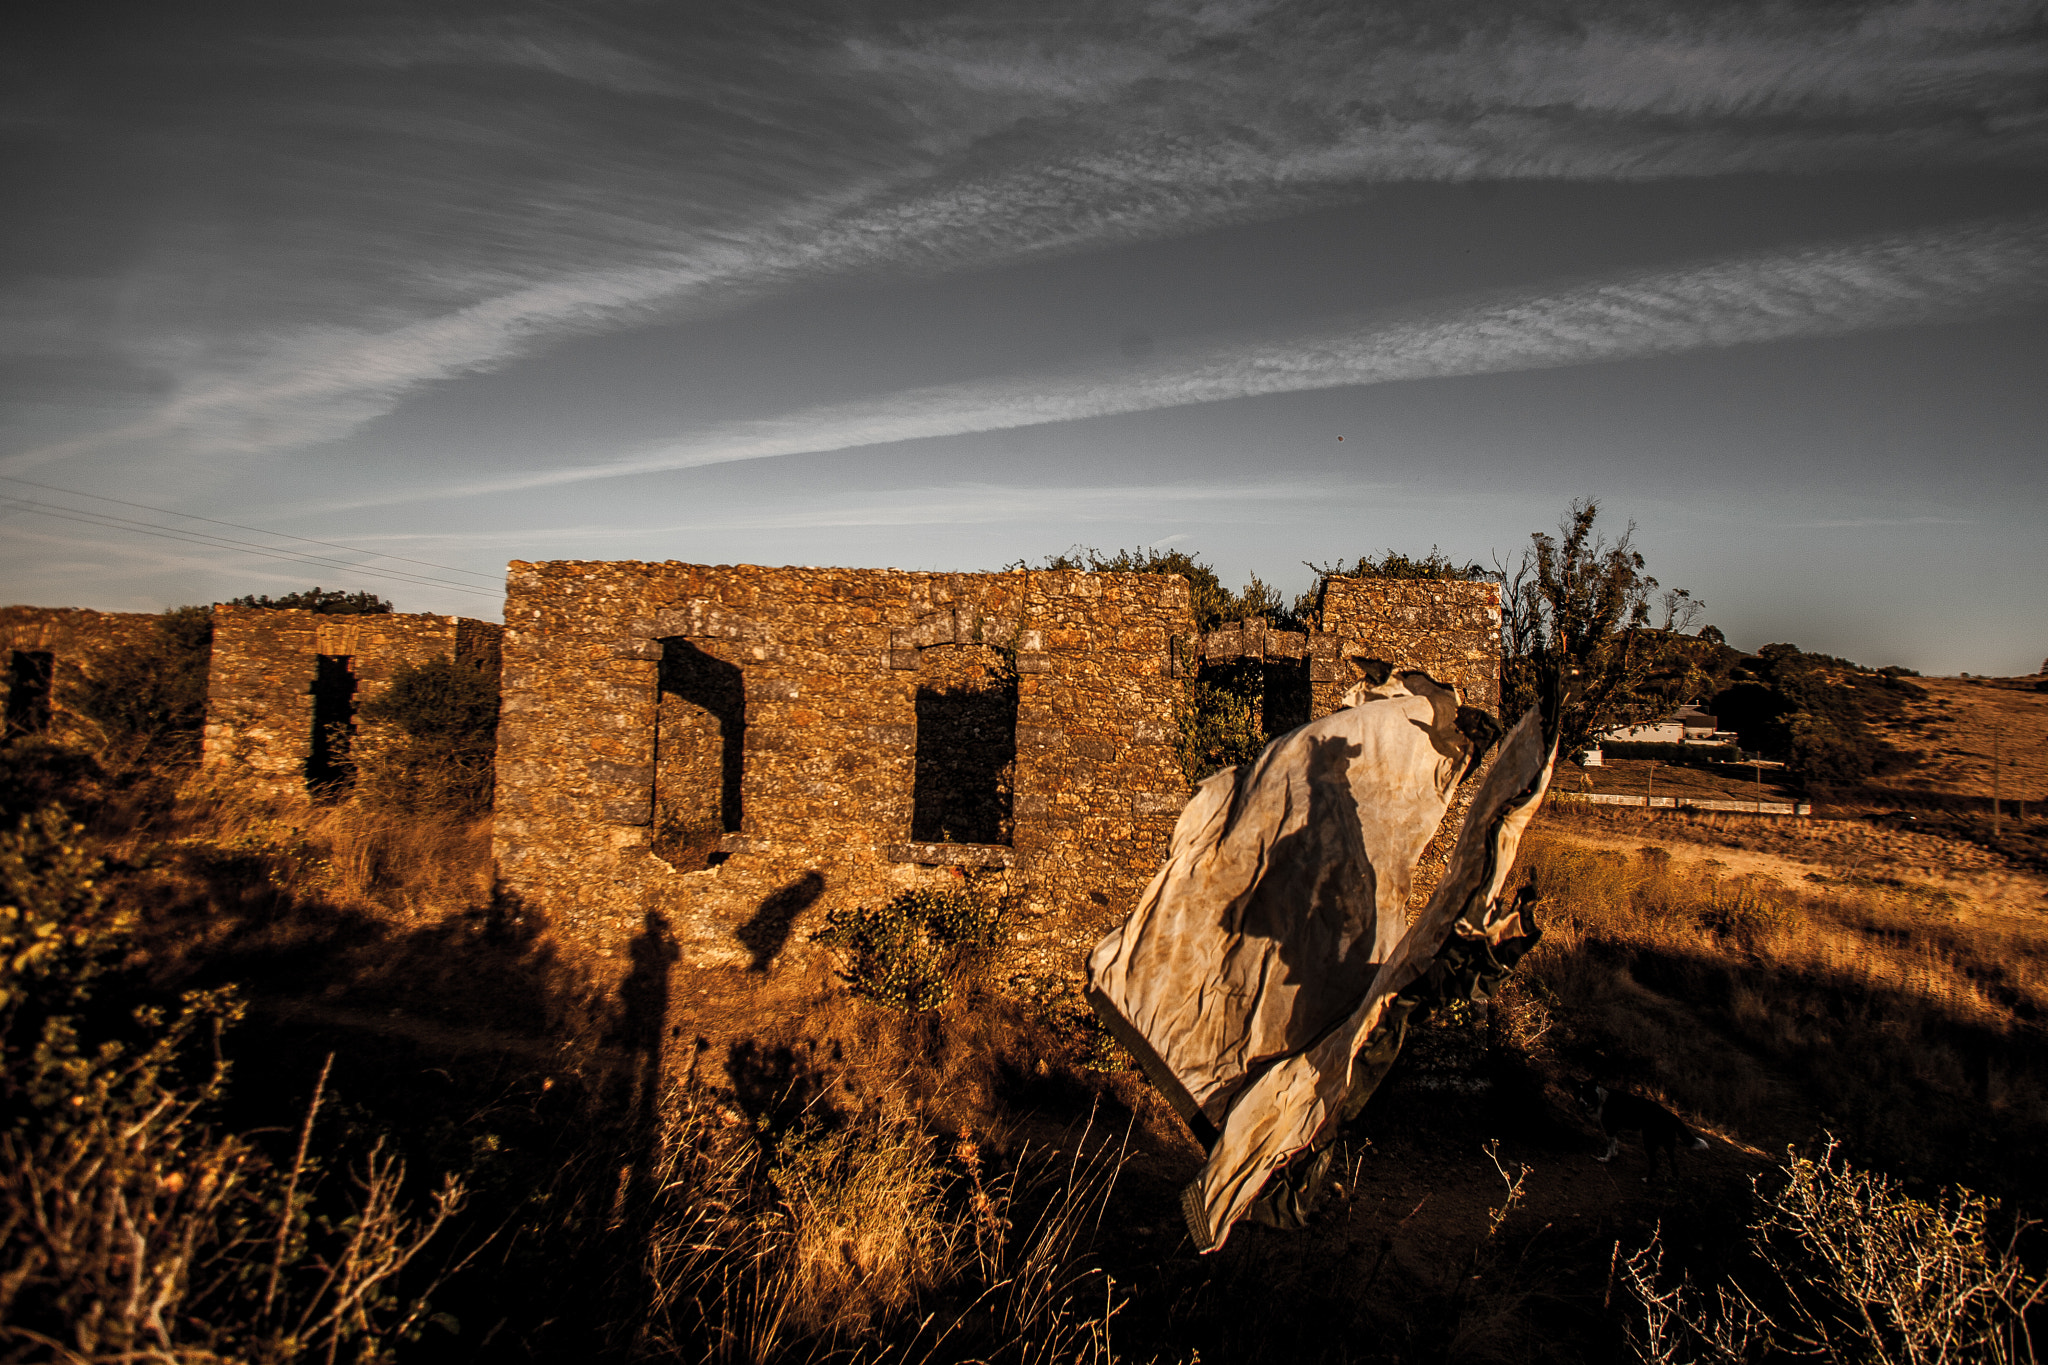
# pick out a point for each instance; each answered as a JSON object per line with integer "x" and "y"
{"x": 1449, "y": 630}
{"x": 47, "y": 653}
{"x": 728, "y": 752}
{"x": 280, "y": 679}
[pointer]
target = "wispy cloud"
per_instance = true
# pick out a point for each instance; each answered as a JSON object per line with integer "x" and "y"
{"x": 951, "y": 504}
{"x": 1862, "y": 523}
{"x": 1955, "y": 273}
{"x": 468, "y": 225}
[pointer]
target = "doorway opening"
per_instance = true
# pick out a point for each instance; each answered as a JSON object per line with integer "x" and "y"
{"x": 334, "y": 725}
{"x": 29, "y": 675}
{"x": 699, "y": 755}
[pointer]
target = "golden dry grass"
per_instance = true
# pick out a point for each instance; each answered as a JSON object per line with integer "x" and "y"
{"x": 1765, "y": 1007}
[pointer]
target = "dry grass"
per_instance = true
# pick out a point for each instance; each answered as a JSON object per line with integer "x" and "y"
{"x": 842, "y": 1196}
{"x": 1767, "y": 1007}
{"x": 414, "y": 865}
{"x": 131, "y": 1228}
{"x": 868, "y": 1238}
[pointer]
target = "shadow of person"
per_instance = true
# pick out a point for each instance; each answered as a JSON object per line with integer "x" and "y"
{"x": 767, "y": 930}
{"x": 643, "y": 1012}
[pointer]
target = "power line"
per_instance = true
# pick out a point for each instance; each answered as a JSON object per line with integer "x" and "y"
{"x": 259, "y": 530}
{"x": 212, "y": 542}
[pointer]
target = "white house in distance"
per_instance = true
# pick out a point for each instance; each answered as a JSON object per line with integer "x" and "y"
{"x": 1687, "y": 725}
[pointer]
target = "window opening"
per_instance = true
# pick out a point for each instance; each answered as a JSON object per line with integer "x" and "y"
{"x": 1286, "y": 696}
{"x": 28, "y": 691}
{"x": 966, "y": 746}
{"x": 699, "y": 755}
{"x": 334, "y": 724}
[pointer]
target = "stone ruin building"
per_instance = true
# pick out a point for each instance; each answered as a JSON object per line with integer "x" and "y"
{"x": 49, "y": 653}
{"x": 724, "y": 748}
{"x": 717, "y": 750}
{"x": 284, "y": 685}
{"x": 728, "y": 752}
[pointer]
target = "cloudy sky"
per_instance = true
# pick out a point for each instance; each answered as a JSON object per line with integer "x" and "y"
{"x": 428, "y": 287}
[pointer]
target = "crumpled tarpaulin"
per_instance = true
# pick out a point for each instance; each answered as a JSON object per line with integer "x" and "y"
{"x": 1266, "y": 979}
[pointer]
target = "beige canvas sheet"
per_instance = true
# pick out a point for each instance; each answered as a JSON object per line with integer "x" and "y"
{"x": 1270, "y": 945}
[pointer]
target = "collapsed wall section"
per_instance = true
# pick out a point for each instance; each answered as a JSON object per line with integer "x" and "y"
{"x": 729, "y": 751}
{"x": 48, "y": 654}
{"x": 285, "y": 685}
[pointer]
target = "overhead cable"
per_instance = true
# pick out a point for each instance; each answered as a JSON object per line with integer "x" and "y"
{"x": 212, "y": 542}
{"x": 259, "y": 530}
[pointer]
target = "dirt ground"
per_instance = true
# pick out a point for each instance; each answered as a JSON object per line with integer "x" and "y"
{"x": 1420, "y": 1254}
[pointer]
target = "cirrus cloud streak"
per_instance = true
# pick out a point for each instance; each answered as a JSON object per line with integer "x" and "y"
{"x": 1952, "y": 274}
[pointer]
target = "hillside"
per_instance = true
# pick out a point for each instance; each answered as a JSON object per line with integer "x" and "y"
{"x": 1956, "y": 724}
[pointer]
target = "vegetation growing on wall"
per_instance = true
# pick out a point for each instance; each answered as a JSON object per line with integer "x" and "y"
{"x": 1213, "y": 603}
{"x": 432, "y": 741}
{"x": 149, "y": 703}
{"x": 324, "y": 601}
{"x": 1434, "y": 567}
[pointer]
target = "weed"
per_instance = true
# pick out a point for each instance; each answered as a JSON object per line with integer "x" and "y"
{"x": 907, "y": 952}
{"x": 1850, "y": 1267}
{"x": 129, "y": 1229}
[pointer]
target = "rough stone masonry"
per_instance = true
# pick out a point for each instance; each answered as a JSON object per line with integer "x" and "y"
{"x": 714, "y": 756}
{"x": 1362, "y": 627}
{"x": 284, "y": 685}
{"x": 732, "y": 750}
{"x": 48, "y": 653}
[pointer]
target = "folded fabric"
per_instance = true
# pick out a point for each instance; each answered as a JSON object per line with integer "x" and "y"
{"x": 1274, "y": 946}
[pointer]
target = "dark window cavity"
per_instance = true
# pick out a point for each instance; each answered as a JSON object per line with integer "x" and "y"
{"x": 28, "y": 691}
{"x": 334, "y": 723}
{"x": 966, "y": 745}
{"x": 699, "y": 755}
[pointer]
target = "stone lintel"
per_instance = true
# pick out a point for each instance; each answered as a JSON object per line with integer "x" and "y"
{"x": 951, "y": 855}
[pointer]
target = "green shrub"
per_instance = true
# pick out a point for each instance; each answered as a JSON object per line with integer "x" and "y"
{"x": 1219, "y": 728}
{"x": 54, "y": 935}
{"x": 436, "y": 742}
{"x": 908, "y": 952}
